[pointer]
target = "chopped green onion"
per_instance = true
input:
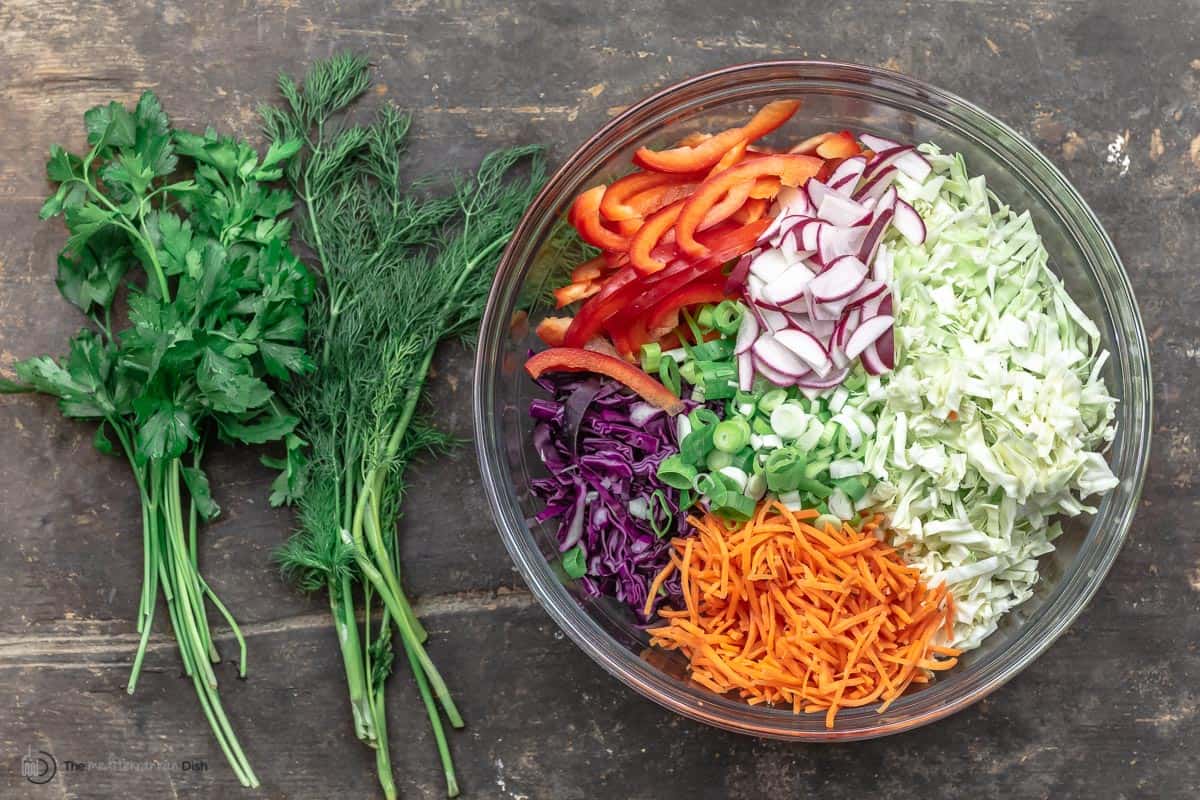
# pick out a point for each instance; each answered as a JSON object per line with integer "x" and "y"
{"x": 855, "y": 488}
{"x": 784, "y": 468}
{"x": 705, "y": 319}
{"x": 814, "y": 468}
{"x": 668, "y": 373}
{"x": 697, "y": 334}
{"x": 772, "y": 400}
{"x": 756, "y": 486}
{"x": 731, "y": 435}
{"x": 697, "y": 445}
{"x": 690, "y": 373}
{"x": 574, "y": 562}
{"x": 660, "y": 507}
{"x": 789, "y": 421}
{"x": 744, "y": 459}
{"x": 651, "y": 356}
{"x": 727, "y": 317}
{"x": 677, "y": 473}
{"x": 733, "y": 505}
{"x": 761, "y": 426}
{"x": 703, "y": 416}
{"x": 716, "y": 350}
{"x": 718, "y": 458}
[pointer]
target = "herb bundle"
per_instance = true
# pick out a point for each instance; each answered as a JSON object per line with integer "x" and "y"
{"x": 403, "y": 271}
{"x": 215, "y": 313}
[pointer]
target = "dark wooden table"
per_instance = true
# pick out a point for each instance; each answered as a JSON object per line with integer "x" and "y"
{"x": 1110, "y": 90}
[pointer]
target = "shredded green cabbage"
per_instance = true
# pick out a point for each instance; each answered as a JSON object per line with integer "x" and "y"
{"x": 996, "y": 411}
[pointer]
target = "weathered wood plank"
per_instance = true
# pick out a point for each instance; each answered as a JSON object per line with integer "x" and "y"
{"x": 574, "y": 733}
{"x": 1110, "y": 90}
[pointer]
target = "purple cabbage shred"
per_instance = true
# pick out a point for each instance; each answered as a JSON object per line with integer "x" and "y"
{"x": 602, "y": 445}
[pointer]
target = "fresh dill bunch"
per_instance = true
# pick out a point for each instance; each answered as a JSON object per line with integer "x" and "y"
{"x": 403, "y": 269}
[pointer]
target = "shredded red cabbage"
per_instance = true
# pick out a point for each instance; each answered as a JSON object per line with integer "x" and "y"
{"x": 602, "y": 446}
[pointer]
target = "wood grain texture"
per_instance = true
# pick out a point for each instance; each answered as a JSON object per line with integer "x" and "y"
{"x": 1109, "y": 711}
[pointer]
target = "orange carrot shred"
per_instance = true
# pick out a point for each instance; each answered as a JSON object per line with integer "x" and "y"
{"x": 783, "y": 613}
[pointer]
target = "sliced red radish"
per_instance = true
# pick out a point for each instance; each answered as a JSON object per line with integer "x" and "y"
{"x": 842, "y": 211}
{"x": 874, "y": 236}
{"x": 876, "y": 186}
{"x": 833, "y": 242}
{"x": 736, "y": 282}
{"x": 840, "y": 280}
{"x": 773, "y": 320}
{"x": 878, "y": 143}
{"x": 768, "y": 265}
{"x": 817, "y": 190}
{"x": 884, "y": 159}
{"x": 788, "y": 286}
{"x": 810, "y": 234}
{"x": 881, "y": 265}
{"x": 866, "y": 333}
{"x": 914, "y": 165}
{"x": 807, "y": 347}
{"x": 834, "y": 378}
{"x": 772, "y": 354}
{"x": 887, "y": 201}
{"x": 870, "y": 288}
{"x": 774, "y": 376}
{"x": 885, "y": 346}
{"x": 747, "y": 333}
{"x": 745, "y": 366}
{"x": 909, "y": 222}
{"x": 871, "y": 361}
{"x": 850, "y": 169}
{"x": 793, "y": 199}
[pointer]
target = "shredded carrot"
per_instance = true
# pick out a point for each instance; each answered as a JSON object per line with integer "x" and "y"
{"x": 817, "y": 620}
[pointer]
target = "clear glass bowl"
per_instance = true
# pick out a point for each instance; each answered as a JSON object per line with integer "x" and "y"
{"x": 835, "y": 96}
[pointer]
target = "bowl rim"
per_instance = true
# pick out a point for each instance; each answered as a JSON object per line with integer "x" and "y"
{"x": 733, "y": 715}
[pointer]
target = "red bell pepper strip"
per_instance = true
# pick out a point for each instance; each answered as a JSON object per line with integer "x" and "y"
{"x": 590, "y": 270}
{"x": 575, "y": 359}
{"x": 565, "y": 295}
{"x": 585, "y": 216}
{"x": 727, "y": 244}
{"x": 651, "y": 200}
{"x": 753, "y": 210}
{"x": 765, "y": 188}
{"x": 615, "y": 205}
{"x": 733, "y": 156}
{"x": 626, "y": 286}
{"x": 552, "y": 330}
{"x": 709, "y": 151}
{"x": 840, "y": 145}
{"x": 792, "y": 170}
{"x": 809, "y": 146}
{"x": 664, "y": 317}
{"x": 643, "y": 242}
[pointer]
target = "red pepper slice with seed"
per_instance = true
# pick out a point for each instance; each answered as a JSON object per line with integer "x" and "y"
{"x": 576, "y": 359}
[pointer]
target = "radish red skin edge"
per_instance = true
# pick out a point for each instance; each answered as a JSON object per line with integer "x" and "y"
{"x": 576, "y": 359}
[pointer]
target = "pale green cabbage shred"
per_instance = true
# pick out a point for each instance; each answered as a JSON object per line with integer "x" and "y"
{"x": 985, "y": 330}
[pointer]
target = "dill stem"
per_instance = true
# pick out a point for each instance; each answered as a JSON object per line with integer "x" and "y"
{"x": 435, "y": 722}
{"x": 341, "y": 606}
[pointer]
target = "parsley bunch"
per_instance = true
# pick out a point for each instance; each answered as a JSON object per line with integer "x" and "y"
{"x": 403, "y": 270}
{"x": 181, "y": 238}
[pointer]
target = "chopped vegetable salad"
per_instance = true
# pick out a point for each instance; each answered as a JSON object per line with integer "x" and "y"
{"x": 814, "y": 413}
